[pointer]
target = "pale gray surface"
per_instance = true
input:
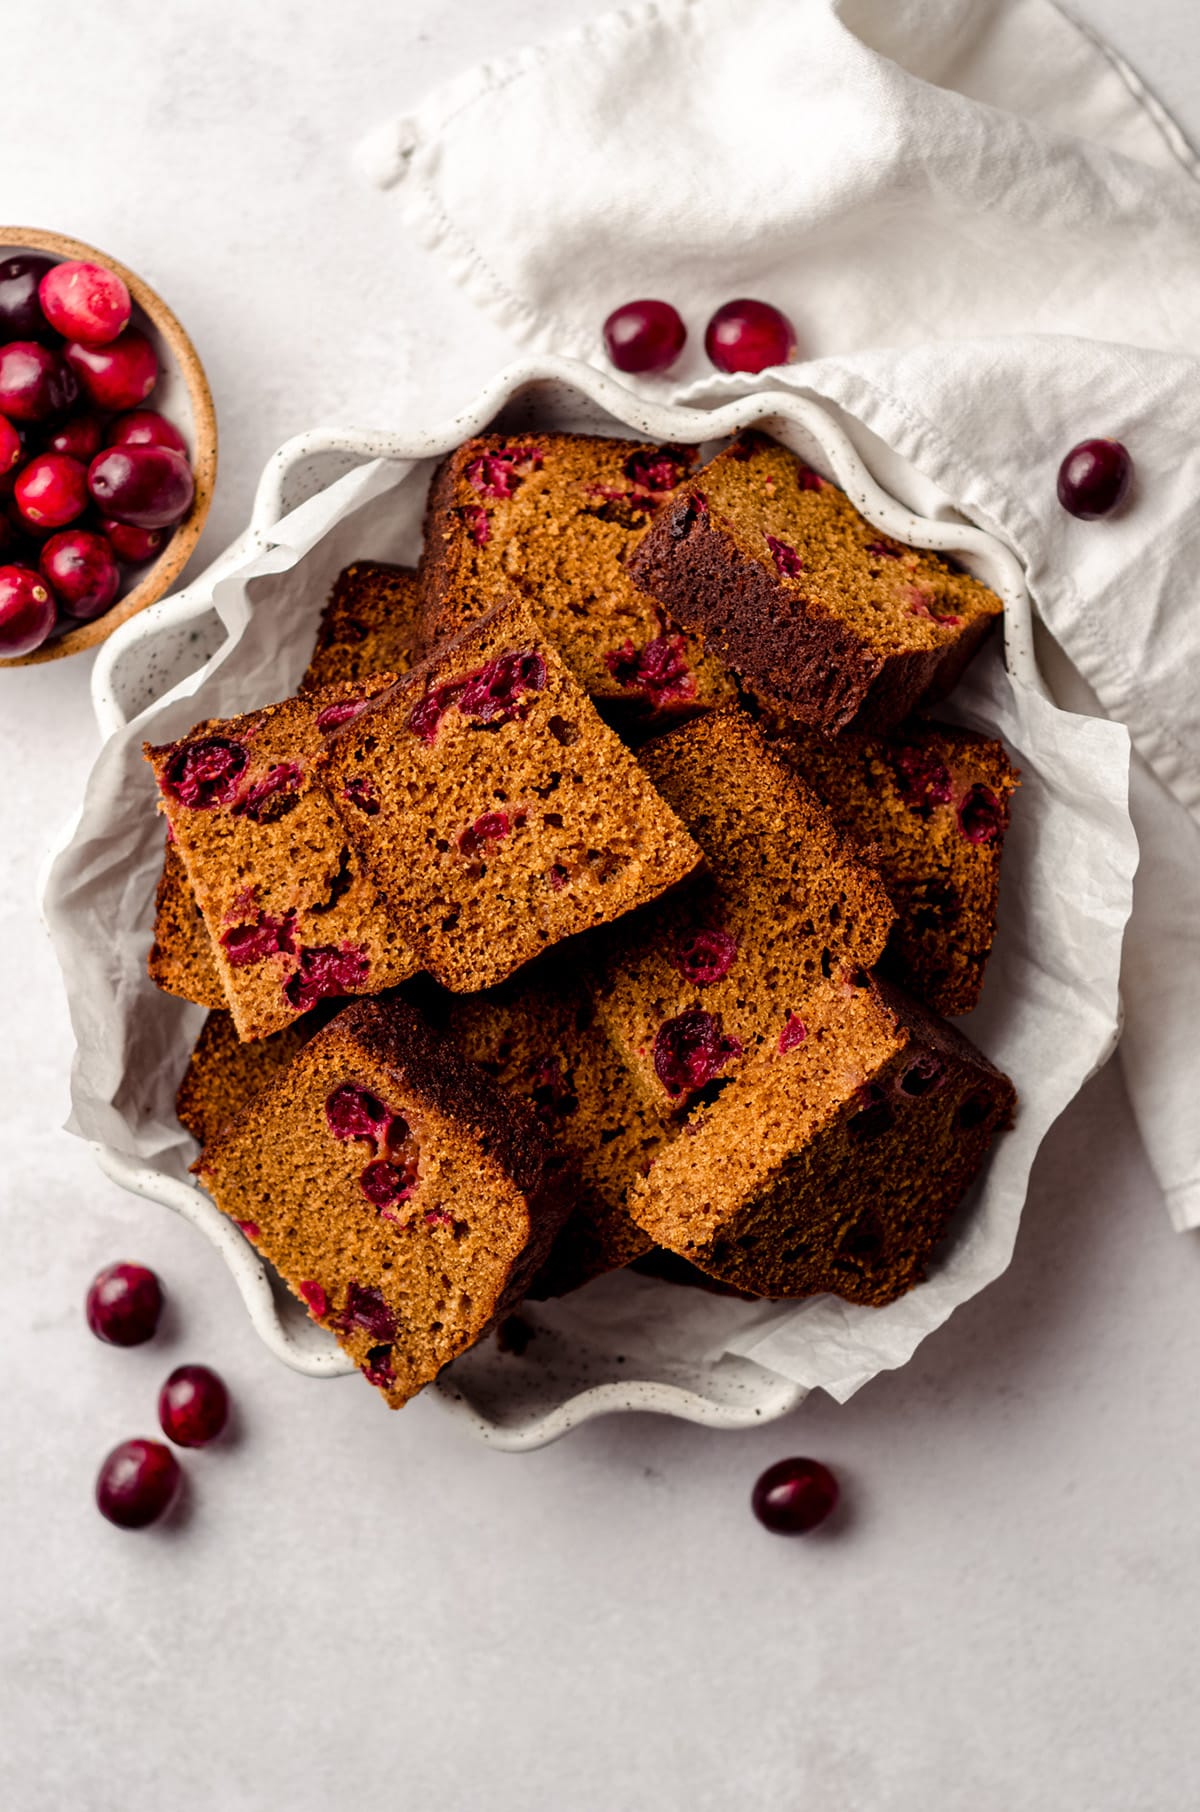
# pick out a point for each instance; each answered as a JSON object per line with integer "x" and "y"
{"x": 367, "y": 1611}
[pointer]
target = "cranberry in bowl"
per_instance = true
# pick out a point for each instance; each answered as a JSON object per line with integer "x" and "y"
{"x": 95, "y": 361}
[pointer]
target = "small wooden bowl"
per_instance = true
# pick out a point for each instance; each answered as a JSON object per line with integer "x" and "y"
{"x": 183, "y": 395}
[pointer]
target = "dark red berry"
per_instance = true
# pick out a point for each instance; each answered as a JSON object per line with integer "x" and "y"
{"x": 325, "y": 971}
{"x": 11, "y": 446}
{"x": 146, "y": 428}
{"x": 354, "y": 1113}
{"x": 136, "y": 1483}
{"x": 35, "y": 384}
{"x": 82, "y": 436}
{"x": 118, "y": 376}
{"x": 193, "y": 1406}
{"x": 149, "y": 487}
{"x": 124, "y": 1304}
{"x": 52, "y": 490}
{"x": 21, "y": 316}
{"x": 84, "y": 301}
{"x": 706, "y": 956}
{"x": 366, "y": 1308}
{"x": 1094, "y": 478}
{"x": 749, "y": 336}
{"x": 793, "y": 1496}
{"x": 205, "y": 773}
{"x": 981, "y": 815}
{"x": 26, "y": 611}
{"x": 644, "y": 336}
{"x": 133, "y": 545}
{"x": 82, "y": 572}
{"x": 691, "y": 1049}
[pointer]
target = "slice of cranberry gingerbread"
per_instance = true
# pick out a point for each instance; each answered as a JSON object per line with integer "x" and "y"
{"x": 836, "y": 1164}
{"x": 181, "y": 959}
{"x": 697, "y": 986}
{"x": 495, "y": 809}
{"x": 292, "y": 914}
{"x": 400, "y": 1193}
{"x": 369, "y": 625}
{"x": 932, "y": 801}
{"x": 556, "y": 518}
{"x": 820, "y": 613}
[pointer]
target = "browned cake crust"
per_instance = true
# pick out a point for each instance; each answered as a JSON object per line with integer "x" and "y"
{"x": 401, "y": 1194}
{"x": 494, "y": 808}
{"x": 694, "y": 988}
{"x": 834, "y": 1166}
{"x": 224, "y": 1074}
{"x": 292, "y": 914}
{"x": 538, "y": 1037}
{"x": 932, "y": 802}
{"x": 826, "y": 617}
{"x": 181, "y": 957}
{"x": 555, "y": 517}
{"x": 370, "y": 625}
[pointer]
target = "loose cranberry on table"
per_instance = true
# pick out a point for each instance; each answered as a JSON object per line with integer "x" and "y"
{"x": 124, "y": 1304}
{"x": 193, "y": 1406}
{"x": 149, "y": 487}
{"x": 644, "y": 336}
{"x": 26, "y": 611}
{"x": 1094, "y": 478}
{"x": 35, "y": 384}
{"x": 136, "y": 1483}
{"x": 117, "y": 376}
{"x": 52, "y": 490}
{"x": 21, "y": 316}
{"x": 146, "y": 428}
{"x": 85, "y": 301}
{"x": 133, "y": 545}
{"x": 793, "y": 1496}
{"x": 82, "y": 572}
{"x": 746, "y": 335}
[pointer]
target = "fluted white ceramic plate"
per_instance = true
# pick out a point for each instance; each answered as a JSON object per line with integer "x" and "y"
{"x": 511, "y": 1401}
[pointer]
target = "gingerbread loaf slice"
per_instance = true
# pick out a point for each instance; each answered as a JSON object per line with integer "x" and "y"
{"x": 292, "y": 914}
{"x": 826, "y": 618}
{"x": 495, "y": 809}
{"x": 694, "y": 988}
{"x": 932, "y": 802}
{"x": 556, "y": 518}
{"x": 224, "y": 1074}
{"x": 403, "y": 1197}
{"x": 181, "y": 959}
{"x": 369, "y": 625}
{"x": 834, "y": 1165}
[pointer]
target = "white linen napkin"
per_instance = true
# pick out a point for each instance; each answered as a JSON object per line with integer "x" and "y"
{"x": 987, "y": 235}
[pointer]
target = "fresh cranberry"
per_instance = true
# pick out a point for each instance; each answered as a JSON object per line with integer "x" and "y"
{"x": 11, "y": 445}
{"x": 793, "y": 1496}
{"x": 1094, "y": 478}
{"x": 981, "y": 815}
{"x": 255, "y": 943}
{"x": 52, "y": 490}
{"x": 499, "y": 474}
{"x": 146, "y": 428}
{"x": 491, "y": 827}
{"x": 360, "y": 793}
{"x": 124, "y": 1304}
{"x": 26, "y": 611}
{"x": 378, "y": 1369}
{"x": 118, "y": 376}
{"x": 749, "y": 336}
{"x": 149, "y": 487}
{"x": 794, "y": 1032}
{"x": 205, "y": 773}
{"x": 706, "y": 956}
{"x": 193, "y": 1406}
{"x": 660, "y": 469}
{"x": 314, "y": 1295}
{"x": 365, "y": 1308}
{"x": 82, "y": 436}
{"x": 85, "y": 301}
{"x": 79, "y": 566}
{"x": 492, "y": 694}
{"x": 35, "y": 384}
{"x": 344, "y": 712}
{"x": 354, "y": 1113}
{"x": 690, "y": 1050}
{"x": 251, "y": 1229}
{"x": 326, "y": 970}
{"x": 659, "y": 669}
{"x": 479, "y": 525}
{"x": 21, "y": 316}
{"x": 788, "y": 563}
{"x": 644, "y": 336}
{"x": 384, "y": 1183}
{"x": 923, "y": 779}
{"x": 136, "y": 1483}
{"x": 133, "y": 545}
{"x": 274, "y": 796}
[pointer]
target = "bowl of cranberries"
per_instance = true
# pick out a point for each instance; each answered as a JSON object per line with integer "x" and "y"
{"x": 108, "y": 446}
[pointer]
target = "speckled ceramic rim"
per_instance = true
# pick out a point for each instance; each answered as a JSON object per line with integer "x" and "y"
{"x": 281, "y": 487}
{"x": 155, "y": 579}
